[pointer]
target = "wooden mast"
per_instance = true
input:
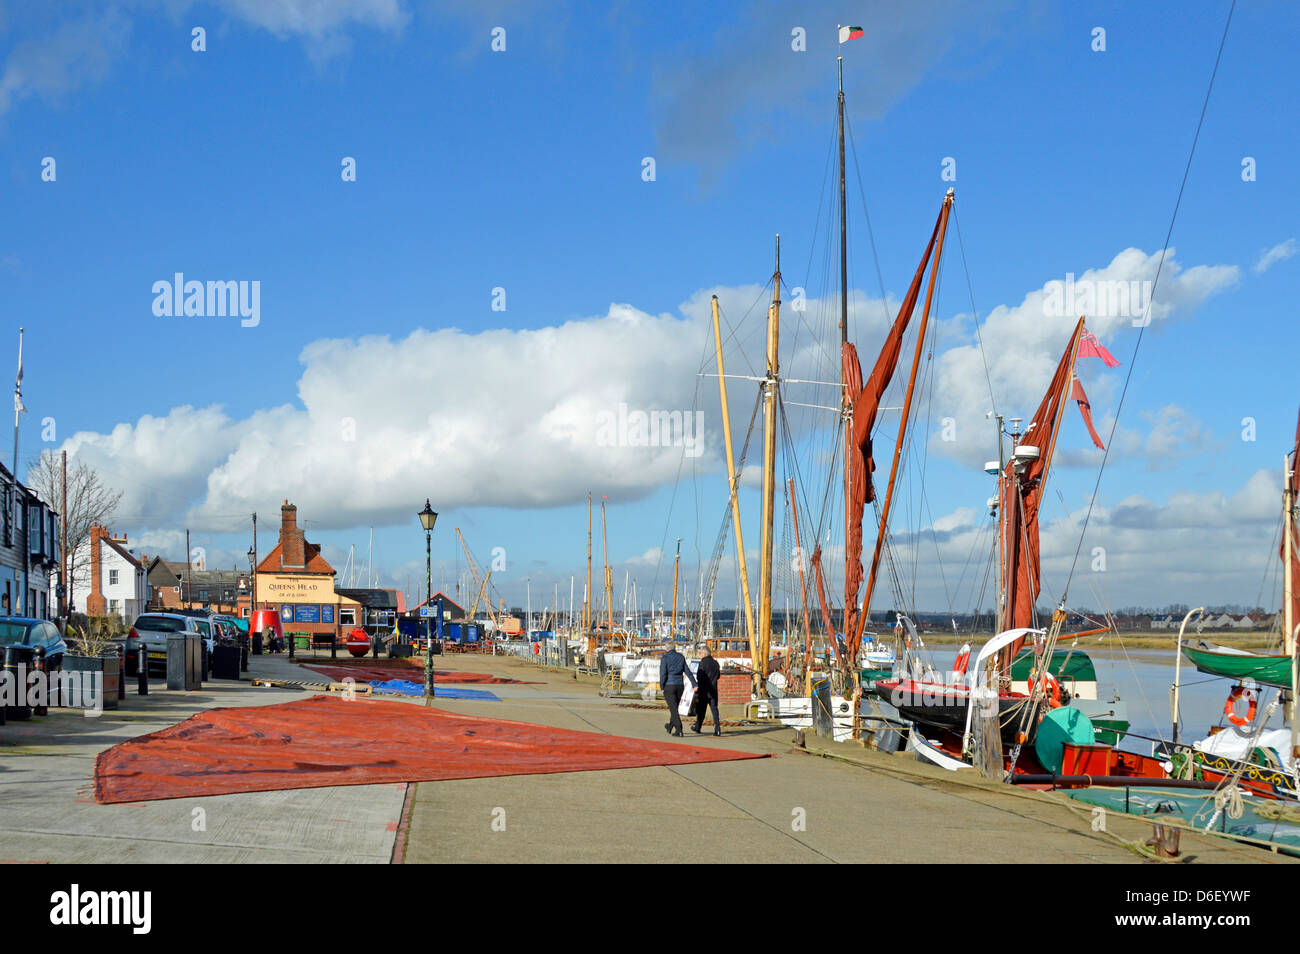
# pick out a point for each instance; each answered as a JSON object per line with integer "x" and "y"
{"x": 902, "y": 423}
{"x": 677, "y": 562}
{"x": 609, "y": 579}
{"x": 846, "y": 404}
{"x": 769, "y": 473}
{"x": 734, "y": 490}
{"x": 586, "y": 596}
{"x": 1288, "y": 588}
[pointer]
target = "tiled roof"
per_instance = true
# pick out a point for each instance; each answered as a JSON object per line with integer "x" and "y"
{"x": 315, "y": 562}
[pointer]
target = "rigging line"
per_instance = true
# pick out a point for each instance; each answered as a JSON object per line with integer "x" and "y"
{"x": 672, "y": 501}
{"x": 734, "y": 332}
{"x": 803, "y": 323}
{"x": 1151, "y": 299}
{"x": 979, "y": 338}
{"x": 1270, "y": 567}
{"x": 826, "y": 174}
{"x": 871, "y": 235}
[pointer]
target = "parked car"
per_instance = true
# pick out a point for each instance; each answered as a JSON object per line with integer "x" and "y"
{"x": 151, "y": 629}
{"x": 232, "y": 625}
{"x": 25, "y": 639}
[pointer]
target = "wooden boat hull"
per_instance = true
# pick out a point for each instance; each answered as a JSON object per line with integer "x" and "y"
{"x": 943, "y": 707}
{"x": 1268, "y": 669}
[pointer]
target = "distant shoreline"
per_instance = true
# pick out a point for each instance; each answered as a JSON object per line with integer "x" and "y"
{"x": 1135, "y": 640}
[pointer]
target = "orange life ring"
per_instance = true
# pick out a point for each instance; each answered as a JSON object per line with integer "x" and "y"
{"x": 963, "y": 660}
{"x": 1053, "y": 688}
{"x": 1230, "y": 706}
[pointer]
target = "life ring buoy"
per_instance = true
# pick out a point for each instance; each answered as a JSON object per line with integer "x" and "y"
{"x": 1230, "y": 706}
{"x": 1053, "y": 688}
{"x": 963, "y": 660}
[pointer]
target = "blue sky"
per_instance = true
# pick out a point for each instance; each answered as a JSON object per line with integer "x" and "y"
{"x": 522, "y": 170}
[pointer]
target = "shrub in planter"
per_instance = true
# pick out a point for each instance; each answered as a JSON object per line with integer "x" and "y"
{"x": 96, "y": 660}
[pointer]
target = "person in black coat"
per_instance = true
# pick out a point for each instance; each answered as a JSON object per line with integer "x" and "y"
{"x": 673, "y": 673}
{"x": 706, "y": 691}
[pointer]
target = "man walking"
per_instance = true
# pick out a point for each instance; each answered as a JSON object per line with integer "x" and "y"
{"x": 706, "y": 691}
{"x": 672, "y": 667}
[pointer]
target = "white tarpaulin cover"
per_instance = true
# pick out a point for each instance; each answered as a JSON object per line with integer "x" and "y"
{"x": 1235, "y": 743}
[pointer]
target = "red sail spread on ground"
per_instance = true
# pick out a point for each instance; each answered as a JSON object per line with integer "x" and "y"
{"x": 376, "y": 671}
{"x": 324, "y": 741}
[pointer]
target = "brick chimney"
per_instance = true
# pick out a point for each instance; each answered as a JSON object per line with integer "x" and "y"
{"x": 293, "y": 549}
{"x": 96, "y": 605}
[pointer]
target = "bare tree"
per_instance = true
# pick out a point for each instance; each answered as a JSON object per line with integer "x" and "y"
{"x": 90, "y": 501}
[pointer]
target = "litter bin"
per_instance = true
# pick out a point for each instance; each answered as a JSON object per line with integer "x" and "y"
{"x": 302, "y": 642}
{"x": 257, "y": 644}
{"x": 184, "y": 661}
{"x": 14, "y": 658}
{"x": 225, "y": 662}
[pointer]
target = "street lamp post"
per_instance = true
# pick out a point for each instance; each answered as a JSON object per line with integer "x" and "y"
{"x": 428, "y": 517}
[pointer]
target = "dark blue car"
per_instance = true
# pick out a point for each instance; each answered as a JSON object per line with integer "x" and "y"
{"x": 23, "y": 639}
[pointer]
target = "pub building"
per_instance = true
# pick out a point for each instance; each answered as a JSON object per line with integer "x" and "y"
{"x": 298, "y": 583}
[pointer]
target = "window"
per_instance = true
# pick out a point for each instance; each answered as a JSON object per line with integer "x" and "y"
{"x": 347, "y": 617}
{"x": 115, "y": 607}
{"x": 112, "y": 577}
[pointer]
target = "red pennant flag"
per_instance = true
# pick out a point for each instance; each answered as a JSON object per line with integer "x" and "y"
{"x": 1090, "y": 347}
{"x": 1085, "y": 408}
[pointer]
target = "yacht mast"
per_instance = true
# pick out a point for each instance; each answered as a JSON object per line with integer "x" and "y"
{"x": 770, "y": 383}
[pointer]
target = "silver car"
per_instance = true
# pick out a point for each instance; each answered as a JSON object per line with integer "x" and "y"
{"x": 152, "y": 629}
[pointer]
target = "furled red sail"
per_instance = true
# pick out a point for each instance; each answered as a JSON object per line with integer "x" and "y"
{"x": 858, "y": 459}
{"x": 1085, "y": 408}
{"x": 1021, "y": 494}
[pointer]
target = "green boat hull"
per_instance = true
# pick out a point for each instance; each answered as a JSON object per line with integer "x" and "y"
{"x": 1067, "y": 664}
{"x": 1270, "y": 670}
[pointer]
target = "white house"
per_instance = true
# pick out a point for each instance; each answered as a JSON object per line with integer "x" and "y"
{"x": 108, "y": 579}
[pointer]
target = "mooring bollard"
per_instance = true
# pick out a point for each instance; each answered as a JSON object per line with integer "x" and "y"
{"x": 292, "y": 639}
{"x": 334, "y": 647}
{"x": 142, "y": 672}
{"x": 121, "y": 672}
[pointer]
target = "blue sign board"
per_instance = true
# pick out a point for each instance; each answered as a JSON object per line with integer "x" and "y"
{"x": 306, "y": 613}
{"x": 326, "y": 613}
{"x": 286, "y": 613}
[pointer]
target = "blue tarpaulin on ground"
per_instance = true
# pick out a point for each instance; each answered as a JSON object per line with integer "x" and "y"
{"x": 405, "y": 687}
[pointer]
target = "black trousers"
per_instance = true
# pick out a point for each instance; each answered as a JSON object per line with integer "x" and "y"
{"x": 703, "y": 699}
{"x": 673, "y": 696}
